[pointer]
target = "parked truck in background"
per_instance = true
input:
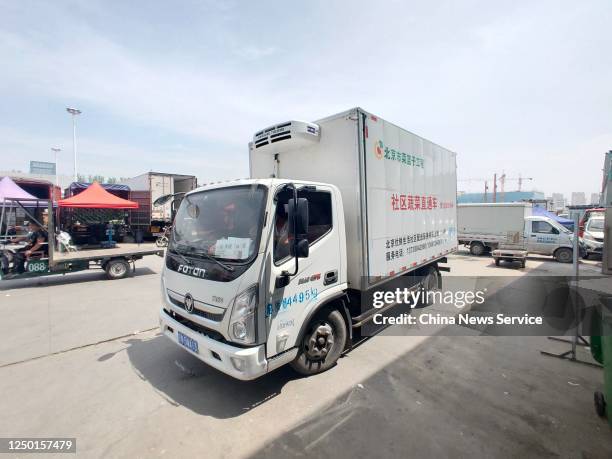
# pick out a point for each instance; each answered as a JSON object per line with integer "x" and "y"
{"x": 510, "y": 232}
{"x": 150, "y": 220}
{"x": 270, "y": 270}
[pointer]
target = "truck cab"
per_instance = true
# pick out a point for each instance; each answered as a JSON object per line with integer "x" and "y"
{"x": 545, "y": 236}
{"x": 234, "y": 290}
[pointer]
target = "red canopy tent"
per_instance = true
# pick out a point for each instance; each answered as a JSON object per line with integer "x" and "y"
{"x": 96, "y": 197}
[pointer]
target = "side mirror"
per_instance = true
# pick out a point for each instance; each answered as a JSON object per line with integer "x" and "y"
{"x": 301, "y": 218}
{"x": 166, "y": 198}
{"x": 162, "y": 200}
{"x": 303, "y": 249}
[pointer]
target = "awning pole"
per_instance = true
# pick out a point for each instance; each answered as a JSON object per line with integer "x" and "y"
{"x": 51, "y": 235}
{"x": 2, "y": 220}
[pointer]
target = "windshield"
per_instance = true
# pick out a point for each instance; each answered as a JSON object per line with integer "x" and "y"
{"x": 559, "y": 226}
{"x": 224, "y": 223}
{"x": 562, "y": 228}
{"x": 596, "y": 224}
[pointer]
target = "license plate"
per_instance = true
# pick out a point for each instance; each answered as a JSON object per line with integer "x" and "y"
{"x": 189, "y": 343}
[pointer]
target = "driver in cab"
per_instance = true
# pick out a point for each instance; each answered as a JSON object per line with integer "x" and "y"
{"x": 238, "y": 223}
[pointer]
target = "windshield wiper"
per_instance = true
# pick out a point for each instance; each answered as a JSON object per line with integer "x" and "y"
{"x": 186, "y": 260}
{"x": 194, "y": 251}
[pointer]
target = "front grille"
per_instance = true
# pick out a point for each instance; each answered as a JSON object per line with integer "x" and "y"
{"x": 196, "y": 327}
{"x": 197, "y": 312}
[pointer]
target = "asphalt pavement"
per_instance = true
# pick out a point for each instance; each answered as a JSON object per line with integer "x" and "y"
{"x": 81, "y": 356}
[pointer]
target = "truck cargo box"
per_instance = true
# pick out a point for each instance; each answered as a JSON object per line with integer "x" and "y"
{"x": 146, "y": 188}
{"x": 398, "y": 189}
{"x": 493, "y": 223}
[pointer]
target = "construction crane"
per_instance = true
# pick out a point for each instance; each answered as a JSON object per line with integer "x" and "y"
{"x": 502, "y": 184}
{"x": 503, "y": 179}
{"x": 520, "y": 180}
{"x": 486, "y": 184}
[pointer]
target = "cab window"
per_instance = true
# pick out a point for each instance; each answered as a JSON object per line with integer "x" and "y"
{"x": 595, "y": 224}
{"x": 543, "y": 228}
{"x": 320, "y": 220}
{"x": 319, "y": 214}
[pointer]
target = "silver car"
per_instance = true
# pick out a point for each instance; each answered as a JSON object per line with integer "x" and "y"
{"x": 593, "y": 237}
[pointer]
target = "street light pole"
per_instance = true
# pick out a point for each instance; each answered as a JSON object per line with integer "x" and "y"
{"x": 56, "y": 150}
{"x": 74, "y": 112}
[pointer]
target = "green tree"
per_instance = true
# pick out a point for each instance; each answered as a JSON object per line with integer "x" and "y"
{"x": 96, "y": 178}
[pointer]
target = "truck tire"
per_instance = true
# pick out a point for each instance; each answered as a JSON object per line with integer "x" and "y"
{"x": 117, "y": 269}
{"x": 477, "y": 248}
{"x": 322, "y": 344}
{"x": 564, "y": 255}
{"x": 497, "y": 262}
{"x": 431, "y": 282}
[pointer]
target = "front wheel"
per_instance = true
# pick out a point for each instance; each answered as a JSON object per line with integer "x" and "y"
{"x": 322, "y": 344}
{"x": 161, "y": 241}
{"x": 564, "y": 255}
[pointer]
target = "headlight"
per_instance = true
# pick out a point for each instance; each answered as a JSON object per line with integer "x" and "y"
{"x": 242, "y": 321}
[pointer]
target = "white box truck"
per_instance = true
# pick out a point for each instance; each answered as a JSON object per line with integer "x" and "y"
{"x": 145, "y": 189}
{"x": 270, "y": 270}
{"x": 510, "y": 231}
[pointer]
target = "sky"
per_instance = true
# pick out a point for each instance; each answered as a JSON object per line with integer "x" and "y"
{"x": 521, "y": 88}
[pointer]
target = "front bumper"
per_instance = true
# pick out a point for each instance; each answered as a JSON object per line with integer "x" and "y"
{"x": 592, "y": 246}
{"x": 509, "y": 254}
{"x": 240, "y": 363}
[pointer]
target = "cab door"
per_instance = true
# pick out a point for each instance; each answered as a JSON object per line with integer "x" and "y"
{"x": 543, "y": 237}
{"x": 316, "y": 273}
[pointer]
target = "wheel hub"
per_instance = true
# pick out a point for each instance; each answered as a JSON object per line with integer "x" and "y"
{"x": 320, "y": 342}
